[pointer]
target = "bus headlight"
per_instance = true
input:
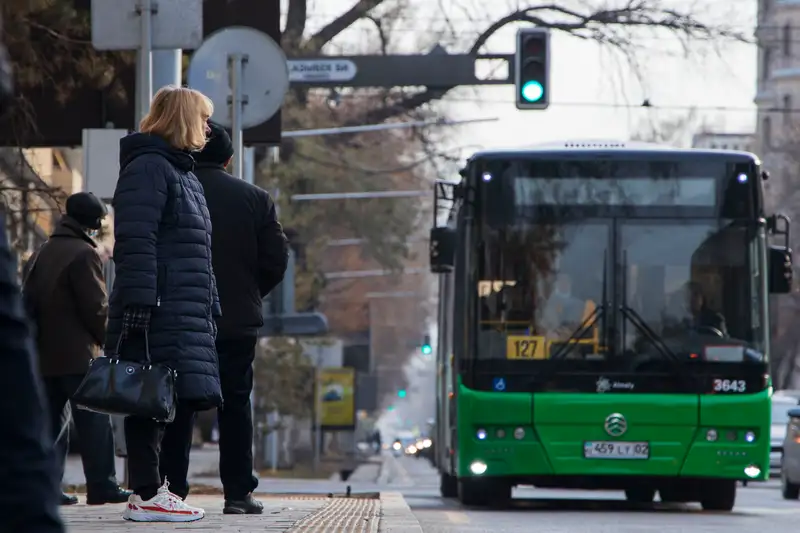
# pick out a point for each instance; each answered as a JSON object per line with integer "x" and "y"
{"x": 481, "y": 434}
{"x": 752, "y": 471}
{"x": 519, "y": 433}
{"x": 711, "y": 435}
{"x": 750, "y": 436}
{"x": 478, "y": 468}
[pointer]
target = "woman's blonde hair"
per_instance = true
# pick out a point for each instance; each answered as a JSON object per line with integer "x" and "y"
{"x": 179, "y": 115}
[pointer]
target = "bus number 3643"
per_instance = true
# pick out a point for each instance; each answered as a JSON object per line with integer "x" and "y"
{"x": 730, "y": 385}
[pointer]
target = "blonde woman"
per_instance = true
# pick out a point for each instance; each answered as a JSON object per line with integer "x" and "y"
{"x": 164, "y": 282}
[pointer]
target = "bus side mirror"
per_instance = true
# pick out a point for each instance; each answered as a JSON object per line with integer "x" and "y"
{"x": 443, "y": 250}
{"x": 794, "y": 412}
{"x": 780, "y": 270}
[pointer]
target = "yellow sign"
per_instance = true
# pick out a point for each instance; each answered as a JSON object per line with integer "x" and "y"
{"x": 524, "y": 347}
{"x": 336, "y": 389}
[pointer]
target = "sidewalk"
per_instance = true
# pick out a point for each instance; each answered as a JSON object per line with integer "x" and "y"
{"x": 368, "y": 513}
{"x": 204, "y": 470}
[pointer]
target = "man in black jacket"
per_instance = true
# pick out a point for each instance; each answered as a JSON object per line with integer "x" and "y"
{"x": 249, "y": 257}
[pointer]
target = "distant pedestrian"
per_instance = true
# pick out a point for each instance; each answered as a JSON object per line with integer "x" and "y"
{"x": 65, "y": 293}
{"x": 29, "y": 476}
{"x": 164, "y": 288}
{"x": 250, "y": 258}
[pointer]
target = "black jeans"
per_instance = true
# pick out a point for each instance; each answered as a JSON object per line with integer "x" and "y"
{"x": 143, "y": 441}
{"x": 94, "y": 433}
{"x": 236, "y": 357}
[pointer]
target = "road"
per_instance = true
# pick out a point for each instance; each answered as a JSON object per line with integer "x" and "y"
{"x": 759, "y": 508}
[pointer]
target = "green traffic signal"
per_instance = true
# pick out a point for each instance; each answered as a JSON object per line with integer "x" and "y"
{"x": 532, "y": 91}
{"x": 401, "y": 393}
{"x": 427, "y": 349}
{"x": 532, "y": 68}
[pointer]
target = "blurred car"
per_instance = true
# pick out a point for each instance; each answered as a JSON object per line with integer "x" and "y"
{"x": 423, "y": 448}
{"x": 790, "y": 469}
{"x": 403, "y": 442}
{"x": 781, "y": 404}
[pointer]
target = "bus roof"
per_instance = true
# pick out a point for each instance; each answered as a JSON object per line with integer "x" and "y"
{"x": 610, "y": 148}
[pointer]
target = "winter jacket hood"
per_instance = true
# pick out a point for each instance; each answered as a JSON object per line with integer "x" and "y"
{"x": 138, "y": 144}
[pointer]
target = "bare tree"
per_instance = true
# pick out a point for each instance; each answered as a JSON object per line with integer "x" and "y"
{"x": 615, "y": 27}
{"x": 675, "y": 131}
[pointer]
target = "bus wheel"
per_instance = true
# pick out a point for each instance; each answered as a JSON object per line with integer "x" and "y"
{"x": 640, "y": 495}
{"x": 448, "y": 486}
{"x": 473, "y": 492}
{"x": 719, "y": 496}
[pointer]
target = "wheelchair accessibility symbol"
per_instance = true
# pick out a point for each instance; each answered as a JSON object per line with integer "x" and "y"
{"x": 499, "y": 384}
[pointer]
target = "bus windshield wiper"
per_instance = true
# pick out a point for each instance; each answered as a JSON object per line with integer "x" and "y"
{"x": 578, "y": 334}
{"x": 589, "y": 322}
{"x": 630, "y": 314}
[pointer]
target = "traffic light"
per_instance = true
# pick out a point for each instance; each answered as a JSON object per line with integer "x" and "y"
{"x": 426, "y": 347}
{"x": 532, "y": 68}
{"x": 401, "y": 393}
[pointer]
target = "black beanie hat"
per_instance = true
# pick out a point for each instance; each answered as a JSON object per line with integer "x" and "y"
{"x": 218, "y": 148}
{"x": 86, "y": 209}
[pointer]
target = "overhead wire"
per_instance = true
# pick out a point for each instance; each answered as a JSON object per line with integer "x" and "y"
{"x": 611, "y": 105}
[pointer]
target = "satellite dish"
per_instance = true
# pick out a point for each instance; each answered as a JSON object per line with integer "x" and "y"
{"x": 265, "y": 80}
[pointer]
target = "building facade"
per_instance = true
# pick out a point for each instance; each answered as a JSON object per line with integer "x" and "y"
{"x": 778, "y": 94}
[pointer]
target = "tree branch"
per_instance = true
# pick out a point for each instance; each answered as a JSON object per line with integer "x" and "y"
{"x": 598, "y": 26}
{"x": 345, "y": 20}
{"x": 296, "y": 17}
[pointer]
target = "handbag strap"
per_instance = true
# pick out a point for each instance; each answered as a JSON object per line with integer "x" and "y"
{"x": 122, "y": 337}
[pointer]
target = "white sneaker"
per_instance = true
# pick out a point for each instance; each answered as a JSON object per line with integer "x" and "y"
{"x": 163, "y": 507}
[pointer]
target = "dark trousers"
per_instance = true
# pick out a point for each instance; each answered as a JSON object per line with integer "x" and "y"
{"x": 236, "y": 357}
{"x": 94, "y": 433}
{"x": 143, "y": 441}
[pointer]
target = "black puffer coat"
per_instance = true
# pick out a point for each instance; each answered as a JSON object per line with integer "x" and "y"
{"x": 162, "y": 256}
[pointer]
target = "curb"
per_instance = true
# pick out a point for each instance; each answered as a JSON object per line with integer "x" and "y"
{"x": 396, "y": 515}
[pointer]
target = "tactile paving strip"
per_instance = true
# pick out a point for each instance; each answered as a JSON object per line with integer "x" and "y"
{"x": 343, "y": 515}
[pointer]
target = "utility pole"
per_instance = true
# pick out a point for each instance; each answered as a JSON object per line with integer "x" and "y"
{"x": 145, "y": 56}
{"x": 148, "y": 27}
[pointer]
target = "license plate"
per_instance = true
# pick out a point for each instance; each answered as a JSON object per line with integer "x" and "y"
{"x": 616, "y": 450}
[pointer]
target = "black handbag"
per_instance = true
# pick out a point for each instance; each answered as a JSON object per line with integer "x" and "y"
{"x": 116, "y": 386}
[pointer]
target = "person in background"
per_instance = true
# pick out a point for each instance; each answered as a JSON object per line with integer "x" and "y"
{"x": 29, "y": 481}
{"x": 65, "y": 294}
{"x": 29, "y": 475}
{"x": 564, "y": 312}
{"x": 700, "y": 314}
{"x": 164, "y": 291}
{"x": 250, "y": 259}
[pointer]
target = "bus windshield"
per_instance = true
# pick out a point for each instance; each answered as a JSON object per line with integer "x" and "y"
{"x": 693, "y": 283}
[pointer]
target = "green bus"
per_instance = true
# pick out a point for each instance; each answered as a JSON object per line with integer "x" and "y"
{"x": 603, "y": 322}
